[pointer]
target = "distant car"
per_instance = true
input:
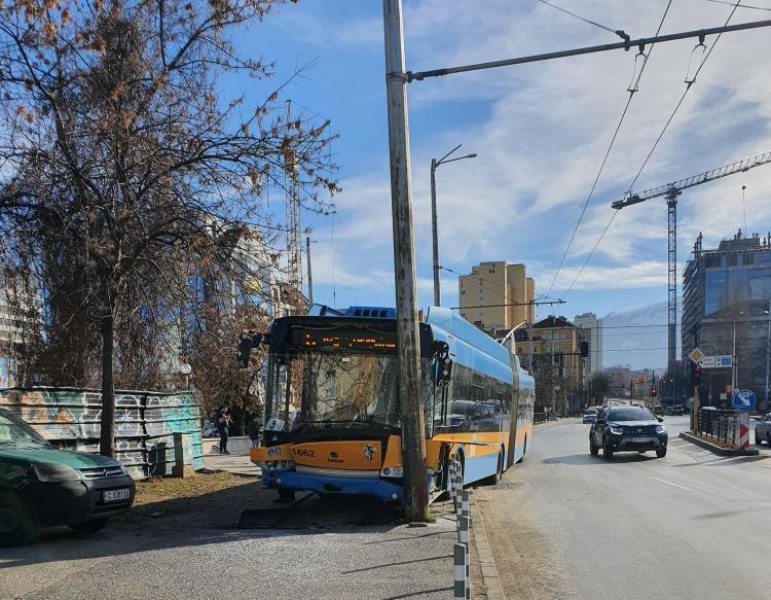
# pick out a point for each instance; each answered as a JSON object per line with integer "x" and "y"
{"x": 210, "y": 430}
{"x": 43, "y": 486}
{"x": 626, "y": 428}
{"x": 677, "y": 409}
{"x": 590, "y": 414}
{"x": 763, "y": 430}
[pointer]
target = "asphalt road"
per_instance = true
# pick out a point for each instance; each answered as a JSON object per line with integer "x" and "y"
{"x": 350, "y": 549}
{"x": 565, "y": 524}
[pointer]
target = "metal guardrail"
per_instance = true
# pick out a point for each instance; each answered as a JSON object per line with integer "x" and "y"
{"x": 720, "y": 425}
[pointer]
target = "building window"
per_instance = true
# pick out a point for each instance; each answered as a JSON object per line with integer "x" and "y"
{"x": 712, "y": 261}
{"x": 463, "y": 292}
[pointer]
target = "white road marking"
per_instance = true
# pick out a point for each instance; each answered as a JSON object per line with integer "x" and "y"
{"x": 677, "y": 485}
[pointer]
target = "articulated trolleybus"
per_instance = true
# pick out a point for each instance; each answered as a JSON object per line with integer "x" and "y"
{"x": 333, "y": 416}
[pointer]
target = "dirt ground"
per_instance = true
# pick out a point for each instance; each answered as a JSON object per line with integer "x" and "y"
{"x": 525, "y": 561}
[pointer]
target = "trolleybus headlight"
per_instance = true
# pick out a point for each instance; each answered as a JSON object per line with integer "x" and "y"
{"x": 278, "y": 465}
{"x": 397, "y": 472}
{"x": 617, "y": 430}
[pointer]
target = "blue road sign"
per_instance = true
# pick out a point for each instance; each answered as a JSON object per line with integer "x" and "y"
{"x": 744, "y": 400}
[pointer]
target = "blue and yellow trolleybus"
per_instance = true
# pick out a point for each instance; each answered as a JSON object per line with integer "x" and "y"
{"x": 333, "y": 415}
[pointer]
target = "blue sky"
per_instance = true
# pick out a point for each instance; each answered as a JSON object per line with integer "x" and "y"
{"x": 540, "y": 132}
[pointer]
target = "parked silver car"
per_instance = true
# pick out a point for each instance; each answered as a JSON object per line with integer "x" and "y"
{"x": 763, "y": 430}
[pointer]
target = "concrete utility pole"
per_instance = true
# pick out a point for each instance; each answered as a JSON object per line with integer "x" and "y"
{"x": 413, "y": 426}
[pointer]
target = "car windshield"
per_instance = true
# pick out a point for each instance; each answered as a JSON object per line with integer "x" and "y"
{"x": 14, "y": 430}
{"x": 630, "y": 414}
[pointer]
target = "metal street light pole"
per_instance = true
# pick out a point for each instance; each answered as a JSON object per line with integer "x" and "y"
{"x": 734, "y": 365}
{"x": 768, "y": 349}
{"x": 435, "y": 234}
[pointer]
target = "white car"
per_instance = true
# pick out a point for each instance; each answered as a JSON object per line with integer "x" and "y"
{"x": 210, "y": 430}
{"x": 763, "y": 430}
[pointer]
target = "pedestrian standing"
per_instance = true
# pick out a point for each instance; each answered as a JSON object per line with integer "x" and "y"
{"x": 223, "y": 422}
{"x": 253, "y": 432}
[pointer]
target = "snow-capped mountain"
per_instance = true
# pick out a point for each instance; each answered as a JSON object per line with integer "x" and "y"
{"x": 638, "y": 337}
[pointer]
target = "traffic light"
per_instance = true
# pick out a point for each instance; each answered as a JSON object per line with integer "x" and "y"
{"x": 653, "y": 391}
{"x": 244, "y": 350}
{"x": 696, "y": 375}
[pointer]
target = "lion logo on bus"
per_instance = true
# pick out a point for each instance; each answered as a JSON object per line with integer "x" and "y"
{"x": 369, "y": 451}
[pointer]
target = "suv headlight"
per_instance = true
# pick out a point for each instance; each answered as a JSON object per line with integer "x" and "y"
{"x": 661, "y": 429}
{"x": 617, "y": 430}
{"x": 54, "y": 472}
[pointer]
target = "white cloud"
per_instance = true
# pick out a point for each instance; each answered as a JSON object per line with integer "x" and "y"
{"x": 540, "y": 132}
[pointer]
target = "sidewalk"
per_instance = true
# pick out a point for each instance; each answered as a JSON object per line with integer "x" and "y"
{"x": 238, "y": 464}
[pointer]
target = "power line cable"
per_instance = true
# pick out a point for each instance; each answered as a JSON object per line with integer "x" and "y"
{"x": 619, "y": 32}
{"x": 727, "y": 2}
{"x": 688, "y": 86}
{"x": 689, "y": 83}
{"x": 632, "y": 89}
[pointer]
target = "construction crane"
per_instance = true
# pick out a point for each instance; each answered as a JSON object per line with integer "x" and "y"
{"x": 671, "y": 191}
{"x": 294, "y": 256}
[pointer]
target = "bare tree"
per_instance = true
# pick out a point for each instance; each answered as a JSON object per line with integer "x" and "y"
{"x": 117, "y": 155}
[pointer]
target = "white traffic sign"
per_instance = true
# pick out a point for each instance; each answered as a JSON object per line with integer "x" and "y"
{"x": 707, "y": 362}
{"x": 696, "y": 355}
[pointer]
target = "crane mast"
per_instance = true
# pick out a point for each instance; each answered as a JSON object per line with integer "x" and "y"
{"x": 671, "y": 191}
{"x": 294, "y": 256}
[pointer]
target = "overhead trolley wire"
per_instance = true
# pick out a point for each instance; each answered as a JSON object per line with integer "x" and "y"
{"x": 619, "y": 32}
{"x": 688, "y": 86}
{"x": 729, "y": 3}
{"x": 661, "y": 135}
{"x": 632, "y": 90}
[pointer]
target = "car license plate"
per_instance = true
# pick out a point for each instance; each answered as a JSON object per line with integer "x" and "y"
{"x": 640, "y": 440}
{"x": 116, "y": 495}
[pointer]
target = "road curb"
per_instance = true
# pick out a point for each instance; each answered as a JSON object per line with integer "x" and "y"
{"x": 716, "y": 449}
{"x": 490, "y": 576}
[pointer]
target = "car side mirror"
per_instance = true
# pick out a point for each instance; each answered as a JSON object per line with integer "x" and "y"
{"x": 660, "y": 419}
{"x": 600, "y": 421}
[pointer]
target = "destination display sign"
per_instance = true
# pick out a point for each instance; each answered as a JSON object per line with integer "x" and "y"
{"x": 331, "y": 340}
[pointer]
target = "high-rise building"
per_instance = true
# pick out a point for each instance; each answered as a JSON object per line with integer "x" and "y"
{"x": 497, "y": 295}
{"x": 592, "y": 327}
{"x": 726, "y": 304}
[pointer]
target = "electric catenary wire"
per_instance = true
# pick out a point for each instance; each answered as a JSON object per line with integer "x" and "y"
{"x": 632, "y": 89}
{"x": 619, "y": 32}
{"x": 688, "y": 85}
{"x": 655, "y": 145}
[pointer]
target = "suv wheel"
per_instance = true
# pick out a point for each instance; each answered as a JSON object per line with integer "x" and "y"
{"x": 607, "y": 451}
{"x": 758, "y": 439}
{"x": 593, "y": 450}
{"x": 661, "y": 452}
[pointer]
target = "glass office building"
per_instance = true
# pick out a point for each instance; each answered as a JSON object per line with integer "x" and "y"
{"x": 728, "y": 290}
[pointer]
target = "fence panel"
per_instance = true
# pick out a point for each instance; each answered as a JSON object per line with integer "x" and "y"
{"x": 145, "y": 423}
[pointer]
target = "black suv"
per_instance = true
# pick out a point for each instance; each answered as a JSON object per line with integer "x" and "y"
{"x": 627, "y": 428}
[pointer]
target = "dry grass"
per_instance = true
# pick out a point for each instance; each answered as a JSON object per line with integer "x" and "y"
{"x": 160, "y": 489}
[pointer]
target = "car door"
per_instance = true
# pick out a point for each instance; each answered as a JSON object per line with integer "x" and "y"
{"x": 762, "y": 428}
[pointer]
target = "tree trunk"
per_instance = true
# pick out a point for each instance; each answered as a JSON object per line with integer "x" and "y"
{"x": 108, "y": 389}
